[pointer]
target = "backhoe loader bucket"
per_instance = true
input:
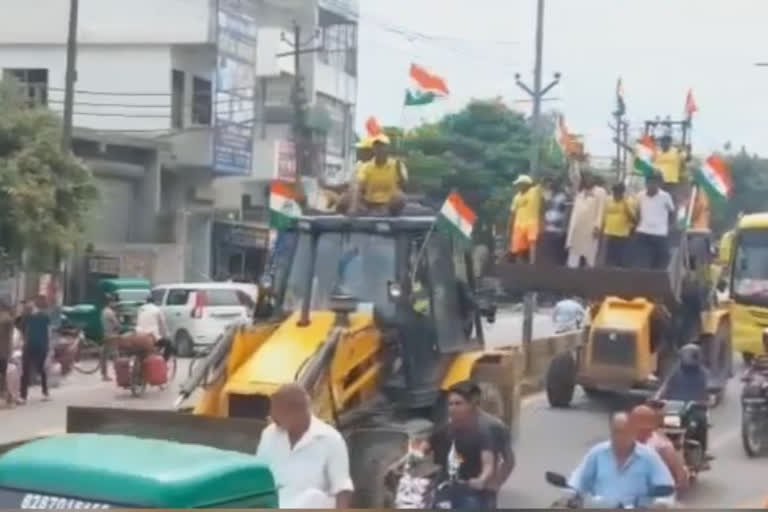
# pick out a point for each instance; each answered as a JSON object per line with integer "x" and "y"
{"x": 235, "y": 434}
{"x": 590, "y": 283}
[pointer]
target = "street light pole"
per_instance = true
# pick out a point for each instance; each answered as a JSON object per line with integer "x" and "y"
{"x": 70, "y": 77}
{"x": 537, "y": 94}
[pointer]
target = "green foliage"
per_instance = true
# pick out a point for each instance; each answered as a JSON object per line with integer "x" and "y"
{"x": 45, "y": 193}
{"x": 750, "y": 190}
{"x": 478, "y": 151}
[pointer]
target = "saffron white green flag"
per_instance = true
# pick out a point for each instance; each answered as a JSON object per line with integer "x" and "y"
{"x": 425, "y": 87}
{"x": 644, "y": 153}
{"x": 456, "y": 218}
{"x": 284, "y": 207}
{"x": 714, "y": 177}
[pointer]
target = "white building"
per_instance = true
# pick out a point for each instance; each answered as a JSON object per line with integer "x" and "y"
{"x": 147, "y": 106}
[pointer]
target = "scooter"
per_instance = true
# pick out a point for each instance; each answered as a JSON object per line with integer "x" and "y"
{"x": 661, "y": 496}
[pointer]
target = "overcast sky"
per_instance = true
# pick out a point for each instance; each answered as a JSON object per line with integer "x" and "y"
{"x": 660, "y": 48}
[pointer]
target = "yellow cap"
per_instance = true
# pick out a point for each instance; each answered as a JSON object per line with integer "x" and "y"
{"x": 365, "y": 143}
{"x": 523, "y": 179}
{"x": 381, "y": 138}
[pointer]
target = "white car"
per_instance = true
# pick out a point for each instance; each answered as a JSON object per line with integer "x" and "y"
{"x": 198, "y": 313}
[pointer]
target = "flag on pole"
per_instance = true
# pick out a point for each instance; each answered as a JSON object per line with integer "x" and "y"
{"x": 456, "y": 218}
{"x": 690, "y": 104}
{"x": 714, "y": 178}
{"x": 372, "y": 126}
{"x": 425, "y": 87}
{"x": 562, "y": 136}
{"x": 644, "y": 152}
{"x": 284, "y": 208}
{"x": 621, "y": 107}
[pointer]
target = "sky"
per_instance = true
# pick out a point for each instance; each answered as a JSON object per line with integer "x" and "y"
{"x": 660, "y": 49}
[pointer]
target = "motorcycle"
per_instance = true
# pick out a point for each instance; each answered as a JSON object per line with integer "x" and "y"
{"x": 679, "y": 424}
{"x": 662, "y": 497}
{"x": 754, "y": 409}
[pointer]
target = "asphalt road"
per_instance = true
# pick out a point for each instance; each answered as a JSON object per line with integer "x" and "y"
{"x": 557, "y": 439}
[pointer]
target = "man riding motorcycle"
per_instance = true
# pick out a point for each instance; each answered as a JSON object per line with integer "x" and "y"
{"x": 621, "y": 471}
{"x": 688, "y": 383}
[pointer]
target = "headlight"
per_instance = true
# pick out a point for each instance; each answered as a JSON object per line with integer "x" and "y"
{"x": 672, "y": 421}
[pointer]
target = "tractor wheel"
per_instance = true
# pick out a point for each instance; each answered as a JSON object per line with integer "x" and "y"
{"x": 561, "y": 380}
{"x": 495, "y": 399}
{"x": 376, "y": 459}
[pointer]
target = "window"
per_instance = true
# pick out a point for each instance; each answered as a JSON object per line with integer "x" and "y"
{"x": 177, "y": 298}
{"x": 34, "y": 84}
{"x": 750, "y": 268}
{"x": 201, "y": 103}
{"x": 177, "y": 98}
{"x": 158, "y": 294}
{"x": 222, "y": 298}
{"x": 340, "y": 48}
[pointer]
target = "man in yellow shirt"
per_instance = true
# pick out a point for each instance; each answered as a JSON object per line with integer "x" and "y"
{"x": 618, "y": 219}
{"x": 380, "y": 181}
{"x": 524, "y": 214}
{"x": 670, "y": 162}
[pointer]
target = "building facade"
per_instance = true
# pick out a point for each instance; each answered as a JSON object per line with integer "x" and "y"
{"x": 182, "y": 111}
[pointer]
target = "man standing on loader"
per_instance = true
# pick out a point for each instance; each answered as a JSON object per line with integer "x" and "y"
{"x": 656, "y": 213}
{"x": 618, "y": 220}
{"x": 524, "y": 213}
{"x": 380, "y": 181}
{"x": 669, "y": 160}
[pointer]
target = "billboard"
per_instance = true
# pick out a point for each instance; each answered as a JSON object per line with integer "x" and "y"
{"x": 235, "y": 88}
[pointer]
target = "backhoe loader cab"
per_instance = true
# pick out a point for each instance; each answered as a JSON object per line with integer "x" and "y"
{"x": 377, "y": 317}
{"x": 639, "y": 319}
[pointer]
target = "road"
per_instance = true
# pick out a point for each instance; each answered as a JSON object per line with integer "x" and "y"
{"x": 549, "y": 439}
{"x": 556, "y": 440}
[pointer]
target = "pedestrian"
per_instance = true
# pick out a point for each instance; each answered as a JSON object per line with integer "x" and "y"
{"x": 585, "y": 226}
{"x": 465, "y": 449}
{"x": 524, "y": 213}
{"x": 308, "y": 457}
{"x": 655, "y": 215}
{"x": 618, "y": 221}
{"x": 552, "y": 240}
{"x": 37, "y": 338}
{"x": 6, "y": 350}
{"x": 110, "y": 324}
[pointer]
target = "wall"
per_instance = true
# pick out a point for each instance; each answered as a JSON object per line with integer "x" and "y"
{"x": 124, "y": 71}
{"x": 107, "y": 21}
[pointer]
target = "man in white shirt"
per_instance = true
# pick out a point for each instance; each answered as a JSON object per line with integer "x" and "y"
{"x": 656, "y": 211}
{"x": 151, "y": 320}
{"x": 308, "y": 457}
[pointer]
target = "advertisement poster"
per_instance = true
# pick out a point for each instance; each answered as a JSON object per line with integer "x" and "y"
{"x": 235, "y": 89}
{"x": 285, "y": 161}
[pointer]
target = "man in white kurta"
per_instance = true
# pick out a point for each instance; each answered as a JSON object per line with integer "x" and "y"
{"x": 308, "y": 457}
{"x": 584, "y": 228}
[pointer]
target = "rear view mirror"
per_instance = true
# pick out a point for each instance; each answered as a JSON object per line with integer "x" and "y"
{"x": 556, "y": 479}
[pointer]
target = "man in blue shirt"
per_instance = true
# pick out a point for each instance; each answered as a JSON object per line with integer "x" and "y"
{"x": 621, "y": 471}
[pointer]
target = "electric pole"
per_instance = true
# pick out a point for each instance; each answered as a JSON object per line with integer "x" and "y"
{"x": 537, "y": 94}
{"x": 70, "y": 77}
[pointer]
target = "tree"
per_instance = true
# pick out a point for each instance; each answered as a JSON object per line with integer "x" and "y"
{"x": 45, "y": 193}
{"x": 750, "y": 190}
{"x": 478, "y": 151}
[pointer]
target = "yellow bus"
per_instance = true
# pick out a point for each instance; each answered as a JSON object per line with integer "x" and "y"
{"x": 749, "y": 283}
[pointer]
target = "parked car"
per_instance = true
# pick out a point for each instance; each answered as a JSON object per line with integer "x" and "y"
{"x": 197, "y": 313}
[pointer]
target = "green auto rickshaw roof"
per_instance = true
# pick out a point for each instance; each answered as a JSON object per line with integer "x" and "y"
{"x": 124, "y": 283}
{"x": 134, "y": 472}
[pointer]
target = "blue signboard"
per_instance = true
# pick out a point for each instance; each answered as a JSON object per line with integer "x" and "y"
{"x": 235, "y": 88}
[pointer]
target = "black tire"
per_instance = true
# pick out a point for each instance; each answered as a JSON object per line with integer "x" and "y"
{"x": 184, "y": 344}
{"x": 375, "y": 461}
{"x": 88, "y": 357}
{"x": 751, "y": 439}
{"x": 138, "y": 382}
{"x": 561, "y": 380}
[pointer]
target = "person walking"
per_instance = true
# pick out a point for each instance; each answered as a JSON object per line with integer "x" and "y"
{"x": 6, "y": 349}
{"x": 37, "y": 339}
{"x": 110, "y": 324}
{"x": 618, "y": 220}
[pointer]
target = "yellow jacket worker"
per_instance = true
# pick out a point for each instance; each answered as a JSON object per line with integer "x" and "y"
{"x": 618, "y": 220}
{"x": 524, "y": 217}
{"x": 380, "y": 181}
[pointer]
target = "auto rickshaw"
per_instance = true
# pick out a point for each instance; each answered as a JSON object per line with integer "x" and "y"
{"x": 79, "y": 471}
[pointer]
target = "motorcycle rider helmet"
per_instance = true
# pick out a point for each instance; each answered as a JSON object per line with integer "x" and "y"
{"x": 690, "y": 355}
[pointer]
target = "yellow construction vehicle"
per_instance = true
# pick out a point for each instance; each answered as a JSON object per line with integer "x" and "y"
{"x": 638, "y": 320}
{"x": 339, "y": 315}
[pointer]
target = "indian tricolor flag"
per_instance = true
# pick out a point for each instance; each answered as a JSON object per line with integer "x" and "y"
{"x": 284, "y": 206}
{"x": 425, "y": 87}
{"x": 644, "y": 152}
{"x": 714, "y": 178}
{"x": 456, "y": 218}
